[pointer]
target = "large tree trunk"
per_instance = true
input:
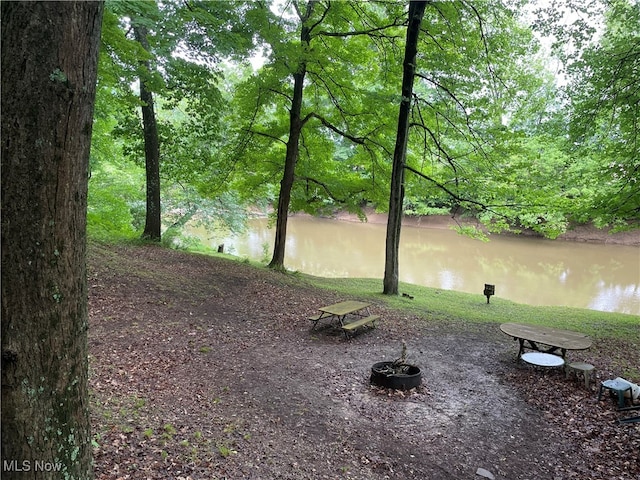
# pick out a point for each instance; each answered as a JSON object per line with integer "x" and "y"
{"x": 293, "y": 146}
{"x": 152, "y": 224}
{"x": 49, "y": 65}
{"x": 396, "y": 196}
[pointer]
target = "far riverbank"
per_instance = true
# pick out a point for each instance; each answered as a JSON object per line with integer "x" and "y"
{"x": 579, "y": 233}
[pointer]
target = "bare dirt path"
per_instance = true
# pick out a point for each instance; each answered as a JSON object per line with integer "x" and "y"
{"x": 203, "y": 368}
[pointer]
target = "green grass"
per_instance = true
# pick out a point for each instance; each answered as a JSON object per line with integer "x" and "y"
{"x": 446, "y": 305}
{"x": 435, "y": 305}
{"x": 616, "y": 335}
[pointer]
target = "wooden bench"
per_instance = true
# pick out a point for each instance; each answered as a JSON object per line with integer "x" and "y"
{"x": 369, "y": 321}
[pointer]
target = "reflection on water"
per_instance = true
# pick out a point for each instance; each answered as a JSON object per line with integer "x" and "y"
{"x": 526, "y": 270}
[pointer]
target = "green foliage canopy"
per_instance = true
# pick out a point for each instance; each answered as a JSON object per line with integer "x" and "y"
{"x": 491, "y": 136}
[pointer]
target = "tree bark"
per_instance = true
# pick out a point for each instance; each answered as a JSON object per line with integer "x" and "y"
{"x": 286, "y": 184}
{"x": 396, "y": 196}
{"x": 293, "y": 146}
{"x": 49, "y": 67}
{"x": 152, "y": 224}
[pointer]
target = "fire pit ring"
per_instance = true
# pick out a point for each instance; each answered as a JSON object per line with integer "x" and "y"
{"x": 396, "y": 376}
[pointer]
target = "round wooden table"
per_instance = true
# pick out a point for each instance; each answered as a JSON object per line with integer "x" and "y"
{"x": 542, "y": 359}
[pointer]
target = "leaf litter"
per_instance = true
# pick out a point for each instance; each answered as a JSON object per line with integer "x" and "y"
{"x": 204, "y": 368}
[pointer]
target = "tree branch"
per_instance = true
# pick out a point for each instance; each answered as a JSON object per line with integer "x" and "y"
{"x": 278, "y": 92}
{"x": 333, "y": 128}
{"x": 371, "y": 32}
{"x": 264, "y": 134}
{"x": 322, "y": 17}
{"x": 326, "y": 188}
{"x": 493, "y": 73}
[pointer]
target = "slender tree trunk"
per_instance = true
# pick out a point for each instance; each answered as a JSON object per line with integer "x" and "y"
{"x": 49, "y": 68}
{"x": 286, "y": 184}
{"x": 152, "y": 224}
{"x": 396, "y": 196}
{"x": 295, "y": 129}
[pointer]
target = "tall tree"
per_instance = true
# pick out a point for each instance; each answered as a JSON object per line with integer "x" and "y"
{"x": 174, "y": 53}
{"x": 295, "y": 129}
{"x": 49, "y": 65}
{"x": 597, "y": 44}
{"x": 470, "y": 83}
{"x": 396, "y": 196}
{"x": 152, "y": 224}
{"x": 312, "y": 103}
{"x": 604, "y": 129}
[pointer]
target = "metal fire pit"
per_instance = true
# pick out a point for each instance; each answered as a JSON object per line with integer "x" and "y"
{"x": 397, "y": 377}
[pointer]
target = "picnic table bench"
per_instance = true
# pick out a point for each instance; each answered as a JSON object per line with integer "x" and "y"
{"x": 338, "y": 312}
{"x": 369, "y": 321}
{"x": 530, "y": 336}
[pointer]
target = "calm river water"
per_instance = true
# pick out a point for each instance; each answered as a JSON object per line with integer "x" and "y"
{"x": 526, "y": 270}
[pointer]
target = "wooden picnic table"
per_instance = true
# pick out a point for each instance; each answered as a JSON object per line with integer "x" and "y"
{"x": 529, "y": 336}
{"x": 340, "y": 310}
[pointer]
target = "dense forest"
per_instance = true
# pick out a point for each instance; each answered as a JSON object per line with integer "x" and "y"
{"x": 520, "y": 116}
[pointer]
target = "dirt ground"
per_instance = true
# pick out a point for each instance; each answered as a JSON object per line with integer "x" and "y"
{"x": 204, "y": 368}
